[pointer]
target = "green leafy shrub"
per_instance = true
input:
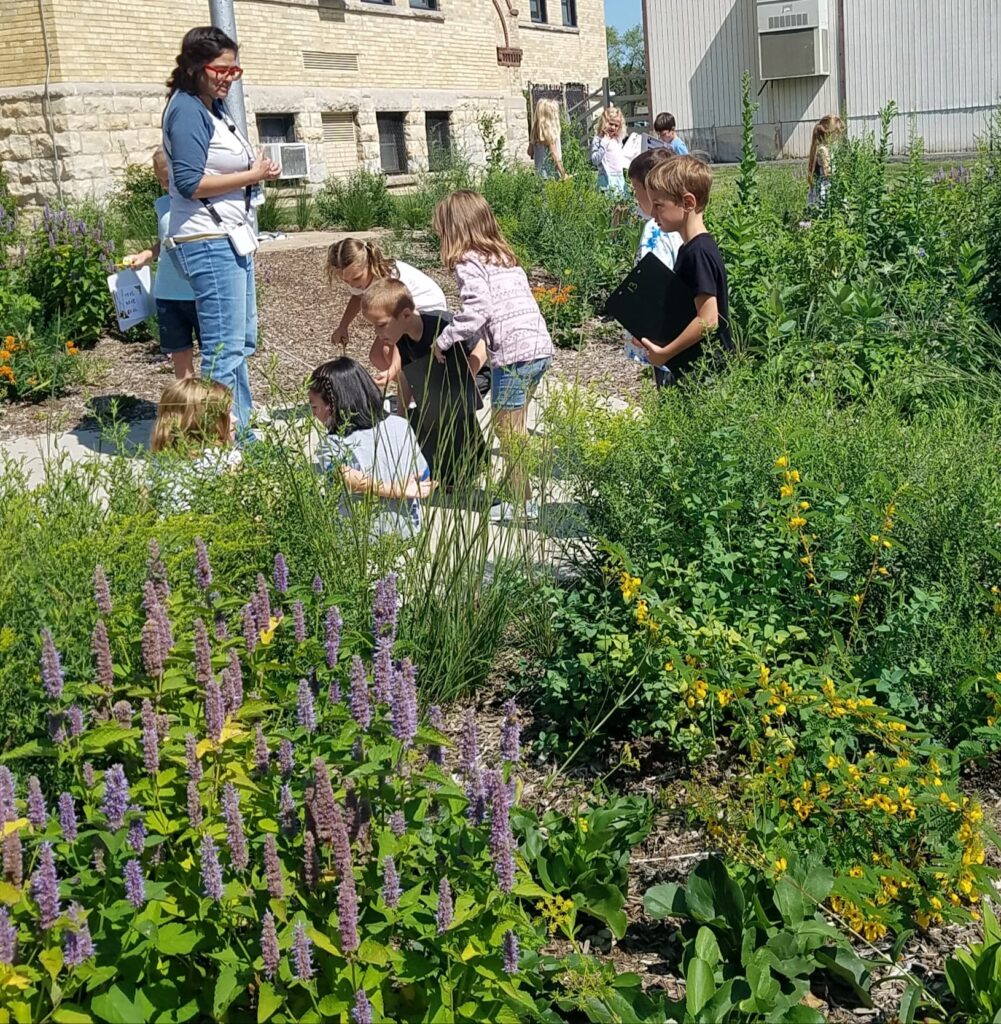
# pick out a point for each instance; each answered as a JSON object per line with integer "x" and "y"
{"x": 34, "y": 364}
{"x": 270, "y": 215}
{"x": 359, "y": 203}
{"x": 132, "y": 206}
{"x": 65, "y": 269}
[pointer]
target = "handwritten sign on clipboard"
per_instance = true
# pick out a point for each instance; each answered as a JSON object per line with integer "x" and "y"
{"x": 131, "y": 291}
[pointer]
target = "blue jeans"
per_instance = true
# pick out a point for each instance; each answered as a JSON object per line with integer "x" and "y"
{"x": 513, "y": 386}
{"x": 226, "y": 300}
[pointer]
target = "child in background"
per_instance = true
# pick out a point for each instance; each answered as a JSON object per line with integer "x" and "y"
{"x": 664, "y": 126}
{"x": 497, "y": 305}
{"x": 546, "y": 147}
{"x": 374, "y": 453}
{"x": 176, "y": 316}
{"x": 356, "y": 264}
{"x": 445, "y": 418}
{"x": 663, "y": 244}
{"x": 195, "y": 425}
{"x": 679, "y": 189}
{"x": 819, "y": 167}
{"x": 606, "y": 151}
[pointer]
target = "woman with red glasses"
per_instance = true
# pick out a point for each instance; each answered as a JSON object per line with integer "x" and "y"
{"x": 215, "y": 185}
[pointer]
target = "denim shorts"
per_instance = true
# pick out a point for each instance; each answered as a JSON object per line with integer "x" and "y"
{"x": 511, "y": 386}
{"x": 177, "y": 321}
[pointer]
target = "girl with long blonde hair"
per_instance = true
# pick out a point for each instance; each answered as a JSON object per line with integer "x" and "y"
{"x": 607, "y": 153}
{"x": 546, "y": 147}
{"x": 498, "y": 306}
{"x": 819, "y": 167}
{"x": 193, "y": 436}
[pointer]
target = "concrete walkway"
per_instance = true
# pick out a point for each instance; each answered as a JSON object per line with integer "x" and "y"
{"x": 314, "y": 239}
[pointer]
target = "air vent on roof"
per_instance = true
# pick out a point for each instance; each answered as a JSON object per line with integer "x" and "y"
{"x": 317, "y": 60}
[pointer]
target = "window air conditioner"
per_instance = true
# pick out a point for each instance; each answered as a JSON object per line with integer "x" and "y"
{"x": 793, "y": 39}
{"x": 291, "y": 157}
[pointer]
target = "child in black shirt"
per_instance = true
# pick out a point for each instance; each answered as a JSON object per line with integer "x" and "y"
{"x": 440, "y": 399}
{"x": 680, "y": 190}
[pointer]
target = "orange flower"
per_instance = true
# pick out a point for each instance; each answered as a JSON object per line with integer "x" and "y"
{"x": 71, "y": 349}
{"x": 6, "y": 371}
{"x": 8, "y": 342}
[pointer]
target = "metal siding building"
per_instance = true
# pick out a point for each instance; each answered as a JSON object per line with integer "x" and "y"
{"x": 938, "y": 59}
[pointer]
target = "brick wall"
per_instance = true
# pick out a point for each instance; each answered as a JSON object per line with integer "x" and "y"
{"x": 22, "y": 53}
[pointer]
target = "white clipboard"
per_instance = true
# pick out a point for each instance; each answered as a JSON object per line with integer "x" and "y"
{"x": 131, "y": 291}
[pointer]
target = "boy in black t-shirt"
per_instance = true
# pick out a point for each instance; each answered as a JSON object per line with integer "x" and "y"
{"x": 440, "y": 399}
{"x": 680, "y": 190}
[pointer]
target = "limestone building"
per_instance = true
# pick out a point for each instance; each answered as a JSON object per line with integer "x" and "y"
{"x": 383, "y": 85}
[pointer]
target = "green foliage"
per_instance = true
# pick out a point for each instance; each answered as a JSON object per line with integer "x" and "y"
{"x": 754, "y": 947}
{"x": 584, "y": 859}
{"x": 270, "y": 215}
{"x": 492, "y": 137}
{"x": 132, "y": 206}
{"x": 303, "y": 209}
{"x": 34, "y": 363}
{"x": 626, "y": 51}
{"x": 7, "y": 203}
{"x": 358, "y": 203}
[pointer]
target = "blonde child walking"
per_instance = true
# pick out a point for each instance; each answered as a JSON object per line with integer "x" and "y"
{"x": 498, "y": 306}
{"x": 546, "y": 147}
{"x": 819, "y": 166}
{"x": 606, "y": 151}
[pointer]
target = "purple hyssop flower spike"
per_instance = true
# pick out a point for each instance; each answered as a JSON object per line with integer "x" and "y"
{"x": 121, "y": 712}
{"x": 8, "y": 938}
{"x": 194, "y": 805}
{"x": 157, "y": 571}
{"x": 477, "y": 810}
{"x": 501, "y": 838}
{"x": 361, "y": 709}
{"x": 116, "y": 796}
{"x": 384, "y": 608}
{"x": 361, "y": 1012}
{"x": 398, "y": 823}
{"x": 215, "y": 711}
{"x": 445, "y": 909}
{"x": 191, "y": 757}
{"x": 269, "y": 945}
{"x": 234, "y": 827}
{"x": 211, "y": 869}
{"x": 77, "y": 943}
{"x": 137, "y": 835}
{"x": 286, "y": 758}
{"x": 324, "y": 807}
{"x": 151, "y": 739}
{"x": 98, "y": 860}
{"x": 250, "y": 633}
{"x": 233, "y": 675}
{"x": 203, "y": 568}
{"x": 436, "y": 753}
{"x": 101, "y": 649}
{"x": 8, "y": 808}
{"x": 310, "y": 862}
{"x": 221, "y": 632}
{"x": 281, "y": 574}
{"x": 335, "y": 624}
{"x": 102, "y": 592}
{"x": 13, "y": 860}
{"x": 391, "y": 891}
{"x": 262, "y": 604}
{"x": 45, "y": 887}
{"x": 57, "y": 726}
{"x": 305, "y": 710}
{"x": 341, "y": 845}
{"x": 404, "y": 703}
{"x": 317, "y": 585}
{"x": 382, "y": 670}
{"x": 262, "y": 756}
{"x": 153, "y": 651}
{"x": 52, "y": 669}
{"x": 347, "y": 914}
{"x": 468, "y": 745}
{"x": 74, "y": 720}
{"x": 273, "y": 868}
{"x": 302, "y": 948}
{"x": 88, "y": 774}
{"x": 510, "y": 733}
{"x": 67, "y": 817}
{"x": 287, "y": 816}
{"x": 135, "y": 884}
{"x": 299, "y": 622}
{"x": 37, "y": 813}
{"x": 203, "y": 653}
{"x": 510, "y": 953}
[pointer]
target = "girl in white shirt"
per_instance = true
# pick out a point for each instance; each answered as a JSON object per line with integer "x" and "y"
{"x": 606, "y": 151}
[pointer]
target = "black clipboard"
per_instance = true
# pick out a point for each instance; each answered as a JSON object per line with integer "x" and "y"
{"x": 652, "y": 302}
{"x": 444, "y": 418}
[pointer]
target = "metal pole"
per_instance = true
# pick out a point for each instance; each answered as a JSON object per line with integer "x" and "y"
{"x": 224, "y": 17}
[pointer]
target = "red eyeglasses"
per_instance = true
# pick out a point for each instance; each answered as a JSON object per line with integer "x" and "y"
{"x": 228, "y": 71}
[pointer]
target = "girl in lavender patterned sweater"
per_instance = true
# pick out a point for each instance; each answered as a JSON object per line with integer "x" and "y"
{"x": 498, "y": 306}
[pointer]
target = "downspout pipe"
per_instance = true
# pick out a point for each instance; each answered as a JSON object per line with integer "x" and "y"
{"x": 224, "y": 17}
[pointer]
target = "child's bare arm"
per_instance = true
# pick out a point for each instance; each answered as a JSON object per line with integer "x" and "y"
{"x": 359, "y": 482}
{"x": 351, "y": 310}
{"x": 477, "y": 358}
{"x": 706, "y": 318}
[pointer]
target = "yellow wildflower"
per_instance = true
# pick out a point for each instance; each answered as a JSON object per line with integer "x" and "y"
{"x": 786, "y": 491}
{"x": 797, "y": 523}
{"x": 804, "y": 505}
{"x": 855, "y": 872}
{"x": 781, "y": 864}
{"x": 724, "y": 697}
{"x": 792, "y": 476}
{"x": 857, "y": 600}
{"x": 781, "y": 462}
{"x": 873, "y": 538}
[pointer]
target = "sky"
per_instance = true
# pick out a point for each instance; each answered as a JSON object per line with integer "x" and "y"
{"x": 623, "y": 14}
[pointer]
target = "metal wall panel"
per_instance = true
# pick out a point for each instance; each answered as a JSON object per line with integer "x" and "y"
{"x": 939, "y": 59}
